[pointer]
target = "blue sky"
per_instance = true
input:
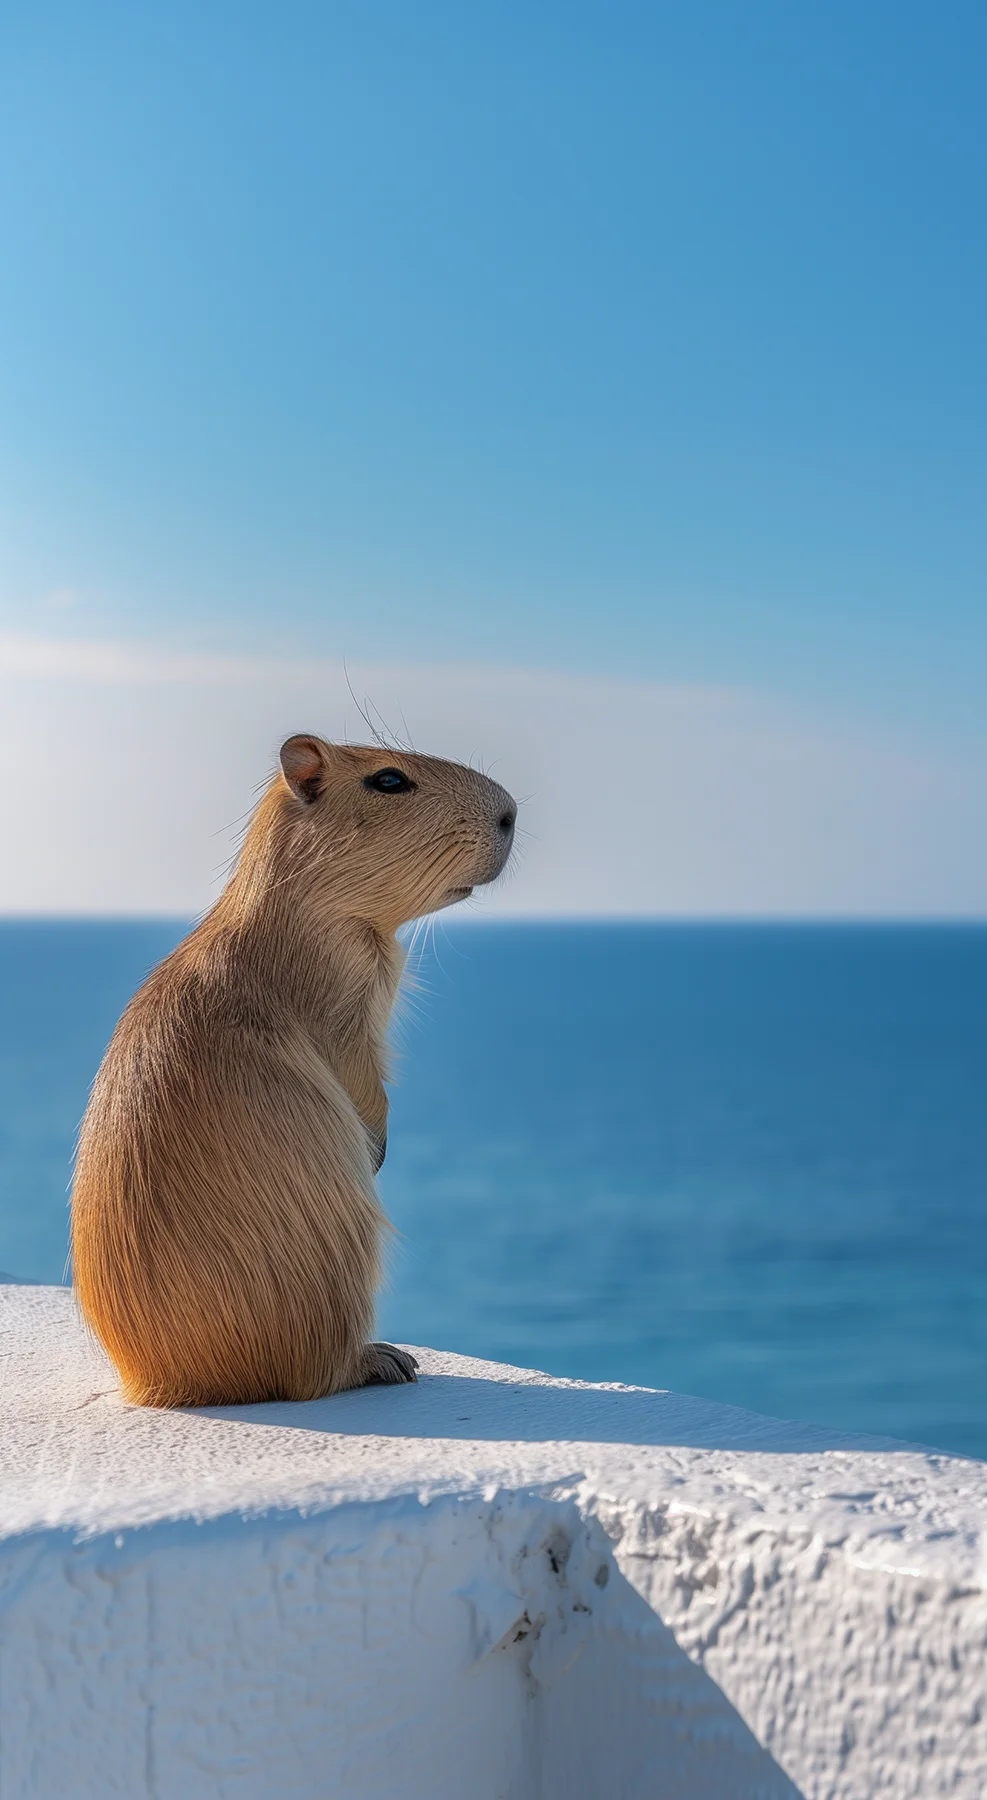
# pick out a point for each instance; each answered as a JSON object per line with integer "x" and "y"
{"x": 631, "y": 340}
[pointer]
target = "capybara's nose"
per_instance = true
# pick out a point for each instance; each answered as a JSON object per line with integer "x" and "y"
{"x": 506, "y": 821}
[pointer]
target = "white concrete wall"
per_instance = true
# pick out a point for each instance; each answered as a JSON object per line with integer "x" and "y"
{"x": 492, "y": 1584}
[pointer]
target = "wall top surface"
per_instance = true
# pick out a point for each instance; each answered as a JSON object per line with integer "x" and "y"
{"x": 74, "y": 1456}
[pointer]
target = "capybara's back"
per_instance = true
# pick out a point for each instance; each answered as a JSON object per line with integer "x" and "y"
{"x": 225, "y": 1225}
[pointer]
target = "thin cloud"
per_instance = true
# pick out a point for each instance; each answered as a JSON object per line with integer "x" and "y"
{"x": 125, "y": 767}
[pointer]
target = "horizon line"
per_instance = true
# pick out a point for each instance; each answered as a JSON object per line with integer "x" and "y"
{"x": 471, "y": 920}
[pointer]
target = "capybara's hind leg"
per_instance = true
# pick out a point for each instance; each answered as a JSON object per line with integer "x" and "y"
{"x": 384, "y": 1365}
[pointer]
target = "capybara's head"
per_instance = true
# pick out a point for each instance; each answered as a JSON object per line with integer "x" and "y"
{"x": 387, "y": 835}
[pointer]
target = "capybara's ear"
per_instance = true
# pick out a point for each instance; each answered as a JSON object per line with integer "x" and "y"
{"x": 303, "y": 761}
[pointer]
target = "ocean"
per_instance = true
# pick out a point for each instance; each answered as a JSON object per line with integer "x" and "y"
{"x": 744, "y": 1161}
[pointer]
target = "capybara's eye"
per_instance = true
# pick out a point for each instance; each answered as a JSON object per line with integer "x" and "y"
{"x": 389, "y": 781}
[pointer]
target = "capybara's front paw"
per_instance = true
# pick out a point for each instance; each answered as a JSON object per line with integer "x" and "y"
{"x": 384, "y": 1364}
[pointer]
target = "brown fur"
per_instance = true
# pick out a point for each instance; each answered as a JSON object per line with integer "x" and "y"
{"x": 225, "y": 1225}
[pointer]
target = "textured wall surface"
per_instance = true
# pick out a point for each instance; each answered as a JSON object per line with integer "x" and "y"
{"x": 491, "y": 1584}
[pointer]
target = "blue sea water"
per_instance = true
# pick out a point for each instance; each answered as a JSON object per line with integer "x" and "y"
{"x": 742, "y": 1161}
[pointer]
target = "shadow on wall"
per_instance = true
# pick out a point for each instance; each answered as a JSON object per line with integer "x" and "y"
{"x": 473, "y": 1647}
{"x": 497, "y": 1411}
{"x": 632, "y": 1717}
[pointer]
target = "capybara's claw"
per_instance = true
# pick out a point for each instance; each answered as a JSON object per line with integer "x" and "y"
{"x": 386, "y": 1365}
